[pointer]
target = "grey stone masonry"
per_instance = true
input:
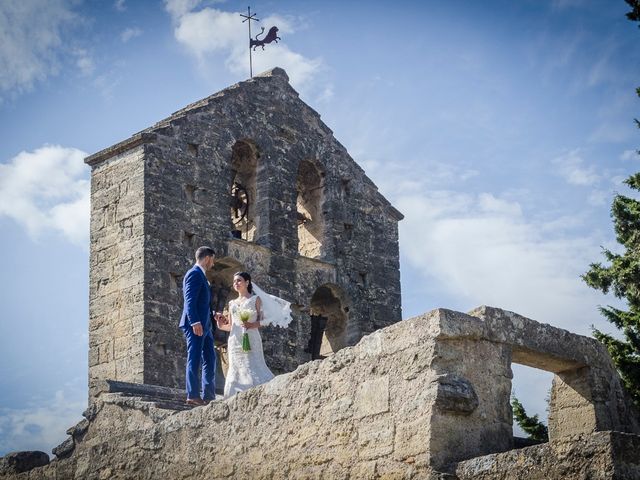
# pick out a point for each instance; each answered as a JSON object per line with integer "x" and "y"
{"x": 253, "y": 172}
{"x": 425, "y": 398}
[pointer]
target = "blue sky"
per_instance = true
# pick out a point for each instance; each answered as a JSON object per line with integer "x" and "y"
{"x": 500, "y": 129}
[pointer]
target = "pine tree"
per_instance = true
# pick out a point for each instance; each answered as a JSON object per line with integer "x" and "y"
{"x": 634, "y": 14}
{"x": 530, "y": 425}
{"x": 622, "y": 276}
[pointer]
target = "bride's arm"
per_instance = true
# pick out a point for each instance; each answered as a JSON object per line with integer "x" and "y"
{"x": 256, "y": 324}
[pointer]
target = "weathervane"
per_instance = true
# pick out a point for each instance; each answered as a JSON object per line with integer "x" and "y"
{"x": 272, "y": 36}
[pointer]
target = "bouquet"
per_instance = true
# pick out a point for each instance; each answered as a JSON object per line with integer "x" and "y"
{"x": 245, "y": 315}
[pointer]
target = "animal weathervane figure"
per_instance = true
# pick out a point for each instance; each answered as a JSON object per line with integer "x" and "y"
{"x": 272, "y": 36}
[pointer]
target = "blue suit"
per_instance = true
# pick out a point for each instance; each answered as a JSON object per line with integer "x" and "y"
{"x": 197, "y": 300}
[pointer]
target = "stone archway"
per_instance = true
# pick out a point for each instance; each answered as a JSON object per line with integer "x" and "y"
{"x": 310, "y": 196}
{"x": 329, "y": 317}
{"x": 243, "y": 189}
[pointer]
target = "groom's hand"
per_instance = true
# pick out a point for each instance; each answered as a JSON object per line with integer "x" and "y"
{"x": 197, "y": 329}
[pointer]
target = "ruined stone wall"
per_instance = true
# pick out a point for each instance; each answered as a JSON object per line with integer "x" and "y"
{"x": 190, "y": 162}
{"x": 116, "y": 289}
{"x": 601, "y": 455}
{"x": 587, "y": 393}
{"x": 362, "y": 413}
{"x": 421, "y": 397}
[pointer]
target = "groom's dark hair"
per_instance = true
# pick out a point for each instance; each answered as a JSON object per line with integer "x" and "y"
{"x": 203, "y": 252}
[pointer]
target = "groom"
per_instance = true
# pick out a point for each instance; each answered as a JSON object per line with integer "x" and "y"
{"x": 198, "y": 329}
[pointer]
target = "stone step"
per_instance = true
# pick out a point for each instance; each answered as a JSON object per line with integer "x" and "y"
{"x": 162, "y": 397}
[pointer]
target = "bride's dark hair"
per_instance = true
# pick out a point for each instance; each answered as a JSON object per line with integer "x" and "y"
{"x": 247, "y": 278}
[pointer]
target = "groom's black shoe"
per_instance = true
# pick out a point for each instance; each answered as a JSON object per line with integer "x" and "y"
{"x": 196, "y": 402}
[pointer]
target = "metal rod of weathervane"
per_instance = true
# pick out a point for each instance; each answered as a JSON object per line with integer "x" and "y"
{"x": 248, "y": 18}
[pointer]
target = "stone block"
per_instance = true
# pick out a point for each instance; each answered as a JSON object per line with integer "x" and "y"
{"x": 79, "y": 429}
{"x": 65, "y": 449}
{"x": 18, "y": 462}
{"x": 375, "y": 438}
{"x": 372, "y": 397}
{"x": 412, "y": 438}
{"x": 456, "y": 395}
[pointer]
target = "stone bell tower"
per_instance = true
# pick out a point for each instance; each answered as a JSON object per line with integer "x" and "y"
{"x": 253, "y": 172}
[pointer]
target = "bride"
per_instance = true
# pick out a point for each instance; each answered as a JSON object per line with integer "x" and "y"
{"x": 247, "y": 367}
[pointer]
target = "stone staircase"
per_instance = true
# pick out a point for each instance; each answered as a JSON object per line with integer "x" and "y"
{"x": 165, "y": 398}
{"x": 158, "y": 401}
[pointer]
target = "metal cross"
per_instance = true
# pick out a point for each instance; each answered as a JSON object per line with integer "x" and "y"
{"x": 248, "y": 17}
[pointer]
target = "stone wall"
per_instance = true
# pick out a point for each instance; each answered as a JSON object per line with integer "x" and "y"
{"x": 116, "y": 289}
{"x": 261, "y": 133}
{"x": 597, "y": 456}
{"x": 414, "y": 400}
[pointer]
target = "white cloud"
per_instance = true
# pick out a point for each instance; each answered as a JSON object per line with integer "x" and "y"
{"x": 84, "y": 62}
{"x": 598, "y": 198}
{"x": 426, "y": 174}
{"x": 629, "y": 155}
{"x": 326, "y": 94}
{"x": 570, "y": 166}
{"x": 208, "y": 31}
{"x": 467, "y": 248}
{"x": 106, "y": 83}
{"x": 47, "y": 190}
{"x": 481, "y": 249}
{"x": 119, "y": 5}
{"x": 618, "y": 180}
{"x": 178, "y": 8}
{"x": 602, "y": 71}
{"x": 31, "y": 38}
{"x": 130, "y": 33}
{"x": 40, "y": 427}
{"x": 487, "y": 203}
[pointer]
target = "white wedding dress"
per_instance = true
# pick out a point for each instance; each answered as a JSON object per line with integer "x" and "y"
{"x": 246, "y": 369}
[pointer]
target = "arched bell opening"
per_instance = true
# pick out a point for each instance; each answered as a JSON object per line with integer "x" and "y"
{"x": 329, "y": 316}
{"x": 310, "y": 196}
{"x": 243, "y": 189}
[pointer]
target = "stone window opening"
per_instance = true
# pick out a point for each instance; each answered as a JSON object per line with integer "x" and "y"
{"x": 161, "y": 349}
{"x": 310, "y": 217}
{"x": 570, "y": 398}
{"x": 348, "y": 231}
{"x": 189, "y": 191}
{"x": 188, "y": 239}
{"x": 175, "y": 282}
{"x": 193, "y": 149}
{"x": 345, "y": 183}
{"x": 243, "y": 190}
{"x": 534, "y": 394}
{"x": 329, "y": 317}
